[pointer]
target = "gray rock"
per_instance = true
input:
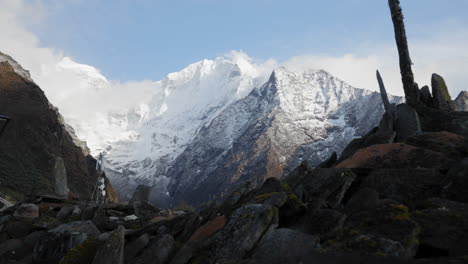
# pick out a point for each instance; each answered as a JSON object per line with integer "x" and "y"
{"x": 18, "y": 229}
{"x": 65, "y": 212}
{"x": 245, "y": 227}
{"x": 461, "y": 102}
{"x": 103, "y": 236}
{"x": 86, "y": 227}
{"x": 112, "y": 252}
{"x": 284, "y": 246}
{"x": 133, "y": 248}
{"x": 407, "y": 122}
{"x": 158, "y": 251}
{"x": 27, "y": 211}
{"x": 88, "y": 212}
{"x": 60, "y": 176}
{"x": 76, "y": 213}
{"x": 141, "y": 194}
{"x": 442, "y": 99}
{"x": 277, "y": 199}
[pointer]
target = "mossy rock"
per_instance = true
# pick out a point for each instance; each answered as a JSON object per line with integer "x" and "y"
{"x": 82, "y": 254}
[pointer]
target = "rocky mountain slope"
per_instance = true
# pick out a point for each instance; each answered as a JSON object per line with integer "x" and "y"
{"x": 291, "y": 118}
{"x": 37, "y": 152}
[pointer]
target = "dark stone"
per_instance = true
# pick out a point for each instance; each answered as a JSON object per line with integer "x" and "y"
{"x": 457, "y": 183}
{"x": 133, "y": 248}
{"x": 425, "y": 96}
{"x": 406, "y": 122}
{"x": 405, "y": 185}
{"x": 27, "y": 211}
{"x": 158, "y": 251}
{"x": 88, "y": 212}
{"x": 383, "y": 93}
{"x": 145, "y": 210}
{"x": 442, "y": 99}
{"x": 18, "y": 229}
{"x": 112, "y": 252}
{"x": 461, "y": 102}
{"x": 320, "y": 187}
{"x": 141, "y": 194}
{"x": 323, "y": 223}
{"x": 284, "y": 246}
{"x": 363, "y": 199}
{"x": 444, "y": 226}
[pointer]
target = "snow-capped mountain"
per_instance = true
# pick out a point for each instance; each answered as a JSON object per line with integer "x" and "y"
{"x": 202, "y": 131}
{"x": 291, "y": 118}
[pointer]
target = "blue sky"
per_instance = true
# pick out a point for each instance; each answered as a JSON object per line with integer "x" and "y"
{"x": 144, "y": 39}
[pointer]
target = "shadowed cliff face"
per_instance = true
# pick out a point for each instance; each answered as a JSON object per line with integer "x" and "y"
{"x": 35, "y": 137}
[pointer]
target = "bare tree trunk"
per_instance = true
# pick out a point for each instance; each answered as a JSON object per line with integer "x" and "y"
{"x": 410, "y": 87}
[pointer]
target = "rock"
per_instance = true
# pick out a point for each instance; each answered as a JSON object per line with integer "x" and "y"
{"x": 457, "y": 183}
{"x": 284, "y": 246}
{"x": 85, "y": 227}
{"x": 103, "y": 236}
{"x": 112, "y": 252}
{"x": 320, "y": 187}
{"x": 60, "y": 176}
{"x": 10, "y": 245}
{"x": 425, "y": 96}
{"x": 362, "y": 200}
{"x": 442, "y": 99}
{"x": 444, "y": 229}
{"x": 18, "y": 229}
{"x": 141, "y": 194}
{"x": 452, "y": 145}
{"x": 145, "y": 210}
{"x": 461, "y": 102}
{"x": 244, "y": 229}
{"x": 383, "y": 93}
{"x": 133, "y": 248}
{"x": 396, "y": 155}
{"x": 322, "y": 223}
{"x": 387, "y": 225}
{"x": 27, "y": 211}
{"x": 158, "y": 250}
{"x": 406, "y": 122}
{"x": 210, "y": 228}
{"x": 111, "y": 193}
{"x": 65, "y": 212}
{"x": 31, "y": 239}
{"x": 277, "y": 199}
{"x": 405, "y": 185}
{"x": 88, "y": 212}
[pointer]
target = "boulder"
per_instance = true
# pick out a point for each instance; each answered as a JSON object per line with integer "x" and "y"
{"x": 210, "y": 228}
{"x": 27, "y": 211}
{"x": 407, "y": 186}
{"x": 158, "y": 251}
{"x": 363, "y": 199}
{"x": 133, "y": 248}
{"x": 18, "y": 229}
{"x": 141, "y": 194}
{"x": 452, "y": 145}
{"x": 322, "y": 223}
{"x": 245, "y": 227}
{"x": 425, "y": 96}
{"x": 112, "y": 252}
{"x": 444, "y": 229}
{"x": 457, "y": 183}
{"x": 397, "y": 155}
{"x": 406, "y": 122}
{"x": 442, "y": 99}
{"x": 320, "y": 187}
{"x": 65, "y": 212}
{"x": 284, "y": 245}
{"x": 60, "y": 175}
